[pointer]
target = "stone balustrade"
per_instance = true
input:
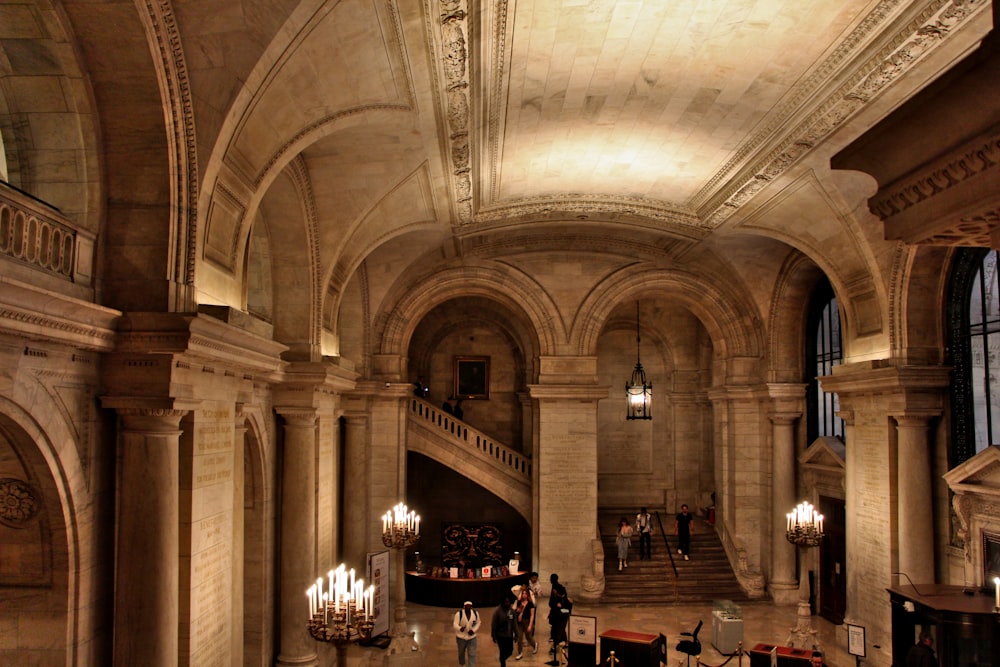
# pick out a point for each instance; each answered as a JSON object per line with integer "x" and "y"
{"x": 38, "y": 235}
{"x": 458, "y": 430}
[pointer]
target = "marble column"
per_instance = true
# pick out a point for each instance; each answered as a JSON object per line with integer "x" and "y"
{"x": 783, "y": 460}
{"x": 915, "y": 518}
{"x": 147, "y": 565}
{"x": 298, "y": 536}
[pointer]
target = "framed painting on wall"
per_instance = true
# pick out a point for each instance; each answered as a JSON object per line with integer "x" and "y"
{"x": 472, "y": 377}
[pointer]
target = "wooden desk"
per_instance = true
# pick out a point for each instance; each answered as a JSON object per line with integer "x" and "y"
{"x": 444, "y": 592}
{"x": 760, "y": 656}
{"x": 634, "y": 649}
{"x": 966, "y": 630}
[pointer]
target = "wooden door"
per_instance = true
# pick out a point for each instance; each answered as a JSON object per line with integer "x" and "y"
{"x": 833, "y": 561}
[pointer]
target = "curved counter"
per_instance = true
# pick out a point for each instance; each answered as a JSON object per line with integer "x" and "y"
{"x": 442, "y": 592}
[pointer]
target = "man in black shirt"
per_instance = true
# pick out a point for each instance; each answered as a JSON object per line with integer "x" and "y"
{"x": 682, "y": 528}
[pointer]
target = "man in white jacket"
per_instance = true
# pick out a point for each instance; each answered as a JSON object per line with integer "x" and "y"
{"x": 466, "y": 625}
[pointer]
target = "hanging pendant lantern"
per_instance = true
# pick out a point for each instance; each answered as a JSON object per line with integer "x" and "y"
{"x": 638, "y": 392}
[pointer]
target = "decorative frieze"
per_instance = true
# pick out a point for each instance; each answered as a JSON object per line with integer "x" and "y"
{"x": 454, "y": 60}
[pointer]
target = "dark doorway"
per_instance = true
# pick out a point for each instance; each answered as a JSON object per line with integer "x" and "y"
{"x": 833, "y": 561}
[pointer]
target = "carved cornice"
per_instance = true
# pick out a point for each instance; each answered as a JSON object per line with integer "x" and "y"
{"x": 970, "y": 162}
{"x": 935, "y": 24}
{"x": 42, "y": 315}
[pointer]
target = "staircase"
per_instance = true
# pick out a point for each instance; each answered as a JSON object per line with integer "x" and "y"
{"x": 452, "y": 442}
{"x": 706, "y": 577}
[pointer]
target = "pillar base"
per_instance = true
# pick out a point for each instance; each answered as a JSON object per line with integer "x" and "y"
{"x": 403, "y": 651}
{"x": 803, "y": 635}
{"x": 784, "y": 593}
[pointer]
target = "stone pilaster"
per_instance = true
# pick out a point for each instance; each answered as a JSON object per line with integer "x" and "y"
{"x": 566, "y": 468}
{"x": 147, "y": 568}
{"x": 239, "y": 533}
{"x": 870, "y": 395}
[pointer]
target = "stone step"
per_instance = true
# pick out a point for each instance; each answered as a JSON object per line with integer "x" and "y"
{"x": 706, "y": 577}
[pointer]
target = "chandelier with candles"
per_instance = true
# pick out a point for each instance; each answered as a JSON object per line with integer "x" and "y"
{"x": 343, "y": 610}
{"x": 400, "y": 527}
{"x": 805, "y": 526}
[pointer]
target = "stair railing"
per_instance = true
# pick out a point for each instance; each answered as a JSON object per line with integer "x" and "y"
{"x": 670, "y": 553}
{"x": 459, "y": 431}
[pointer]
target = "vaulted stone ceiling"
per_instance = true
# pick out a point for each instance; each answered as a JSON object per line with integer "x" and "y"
{"x": 386, "y": 131}
{"x": 672, "y": 111}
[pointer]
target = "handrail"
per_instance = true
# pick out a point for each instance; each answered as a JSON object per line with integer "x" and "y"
{"x": 473, "y": 438}
{"x": 663, "y": 533}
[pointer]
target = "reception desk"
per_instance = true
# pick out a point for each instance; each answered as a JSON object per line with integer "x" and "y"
{"x": 633, "y": 649}
{"x": 442, "y": 592}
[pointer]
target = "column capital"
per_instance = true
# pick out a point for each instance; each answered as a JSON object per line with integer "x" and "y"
{"x": 304, "y": 416}
{"x": 914, "y": 418}
{"x": 783, "y": 417}
{"x": 149, "y": 414}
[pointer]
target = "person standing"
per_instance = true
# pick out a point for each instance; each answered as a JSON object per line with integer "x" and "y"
{"x": 683, "y": 529}
{"x": 457, "y": 410}
{"x": 560, "y": 606}
{"x": 524, "y": 616}
{"x": 447, "y": 407}
{"x": 644, "y": 524}
{"x": 922, "y": 653}
{"x": 502, "y": 629}
{"x": 535, "y": 586}
{"x": 466, "y": 625}
{"x": 623, "y": 539}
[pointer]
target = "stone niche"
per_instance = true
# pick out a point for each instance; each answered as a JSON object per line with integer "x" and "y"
{"x": 976, "y": 485}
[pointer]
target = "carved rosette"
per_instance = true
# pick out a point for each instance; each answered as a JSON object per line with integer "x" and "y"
{"x": 19, "y": 503}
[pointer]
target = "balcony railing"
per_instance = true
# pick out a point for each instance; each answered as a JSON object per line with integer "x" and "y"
{"x": 38, "y": 235}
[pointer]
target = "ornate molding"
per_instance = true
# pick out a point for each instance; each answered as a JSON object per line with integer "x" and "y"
{"x": 918, "y": 38}
{"x": 597, "y": 206}
{"x": 176, "y": 90}
{"x": 453, "y": 58}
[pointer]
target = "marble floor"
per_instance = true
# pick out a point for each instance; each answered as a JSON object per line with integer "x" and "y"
{"x": 763, "y": 622}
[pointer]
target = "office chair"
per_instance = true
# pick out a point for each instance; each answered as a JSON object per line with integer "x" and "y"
{"x": 690, "y": 646}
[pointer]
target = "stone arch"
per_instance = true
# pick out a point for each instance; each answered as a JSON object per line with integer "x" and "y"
{"x": 52, "y": 472}
{"x": 512, "y": 289}
{"x": 786, "y": 319}
{"x": 233, "y": 199}
{"x": 296, "y": 316}
{"x": 918, "y": 297}
{"x": 56, "y": 167}
{"x": 728, "y": 320}
{"x": 259, "y": 535}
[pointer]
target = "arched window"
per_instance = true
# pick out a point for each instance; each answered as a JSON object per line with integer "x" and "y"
{"x": 823, "y": 352}
{"x": 974, "y": 342}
